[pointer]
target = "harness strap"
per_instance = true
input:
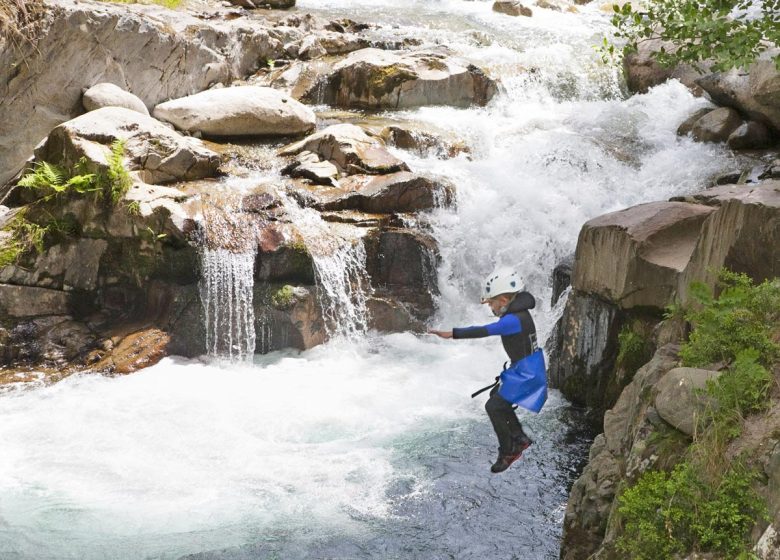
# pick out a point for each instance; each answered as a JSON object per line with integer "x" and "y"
{"x": 485, "y": 388}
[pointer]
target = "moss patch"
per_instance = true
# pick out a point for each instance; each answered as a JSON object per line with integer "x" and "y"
{"x": 283, "y": 297}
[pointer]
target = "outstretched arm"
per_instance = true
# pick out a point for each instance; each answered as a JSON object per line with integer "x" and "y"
{"x": 508, "y": 324}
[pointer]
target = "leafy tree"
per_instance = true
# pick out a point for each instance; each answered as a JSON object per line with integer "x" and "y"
{"x": 728, "y": 33}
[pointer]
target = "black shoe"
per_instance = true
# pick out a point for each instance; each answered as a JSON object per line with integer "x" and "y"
{"x": 506, "y": 459}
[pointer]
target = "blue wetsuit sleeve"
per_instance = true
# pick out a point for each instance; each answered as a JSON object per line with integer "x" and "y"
{"x": 506, "y": 325}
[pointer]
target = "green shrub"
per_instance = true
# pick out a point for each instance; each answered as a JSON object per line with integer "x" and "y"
{"x": 741, "y": 390}
{"x": 743, "y": 316}
{"x": 665, "y": 514}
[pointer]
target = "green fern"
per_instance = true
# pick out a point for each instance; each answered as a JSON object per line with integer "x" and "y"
{"x": 44, "y": 176}
{"x": 118, "y": 177}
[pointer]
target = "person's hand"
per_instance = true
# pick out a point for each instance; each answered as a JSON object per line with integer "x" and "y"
{"x": 441, "y": 334}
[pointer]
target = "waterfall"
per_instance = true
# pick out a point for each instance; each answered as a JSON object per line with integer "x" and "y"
{"x": 339, "y": 258}
{"x": 227, "y": 255}
{"x": 342, "y": 285}
{"x": 227, "y": 280}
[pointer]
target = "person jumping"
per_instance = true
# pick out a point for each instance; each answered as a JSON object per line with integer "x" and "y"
{"x": 524, "y": 382}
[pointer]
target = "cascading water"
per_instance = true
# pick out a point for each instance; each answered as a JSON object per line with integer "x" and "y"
{"x": 372, "y": 450}
{"x": 339, "y": 258}
{"x": 227, "y": 260}
{"x": 227, "y": 282}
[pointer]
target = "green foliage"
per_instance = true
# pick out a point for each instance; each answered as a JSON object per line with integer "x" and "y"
{"x": 743, "y": 316}
{"x": 51, "y": 180}
{"x": 134, "y": 208}
{"x": 731, "y": 33}
{"x": 742, "y": 390}
{"x": 634, "y": 349}
{"x": 675, "y": 513}
{"x": 20, "y": 236}
{"x": 282, "y": 297}
{"x": 119, "y": 180}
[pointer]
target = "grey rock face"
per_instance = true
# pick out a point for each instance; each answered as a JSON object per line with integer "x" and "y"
{"x": 350, "y": 149}
{"x": 750, "y": 135}
{"x": 159, "y": 54}
{"x": 755, "y": 92}
{"x": 635, "y": 257}
{"x": 583, "y": 350}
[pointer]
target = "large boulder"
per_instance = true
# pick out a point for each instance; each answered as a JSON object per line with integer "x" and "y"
{"x": 238, "y": 111}
{"x": 635, "y": 257}
{"x": 377, "y": 79}
{"x": 755, "y": 92}
{"x": 156, "y": 54}
{"x": 679, "y": 400}
{"x": 750, "y": 135}
{"x": 111, "y": 95}
{"x": 350, "y": 149}
{"x": 158, "y": 153}
{"x": 717, "y": 125}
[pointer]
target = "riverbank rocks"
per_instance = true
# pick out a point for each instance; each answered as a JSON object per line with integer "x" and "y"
{"x": 511, "y": 8}
{"x": 238, "y": 111}
{"x": 717, "y": 125}
{"x": 158, "y": 153}
{"x": 679, "y": 400}
{"x": 755, "y": 92}
{"x": 624, "y": 450}
{"x": 350, "y": 149}
{"x": 642, "y": 72}
{"x": 377, "y": 79}
{"x": 110, "y": 95}
{"x": 156, "y": 54}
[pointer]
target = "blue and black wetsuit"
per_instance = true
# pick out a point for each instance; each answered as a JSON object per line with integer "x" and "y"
{"x": 524, "y": 382}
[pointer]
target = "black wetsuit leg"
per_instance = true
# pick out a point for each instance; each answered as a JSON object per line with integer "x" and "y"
{"x": 505, "y": 423}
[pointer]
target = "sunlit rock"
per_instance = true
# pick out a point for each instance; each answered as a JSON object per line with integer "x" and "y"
{"x": 111, "y": 95}
{"x": 238, "y": 111}
{"x": 373, "y": 79}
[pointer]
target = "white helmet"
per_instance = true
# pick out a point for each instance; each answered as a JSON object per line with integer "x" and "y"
{"x": 501, "y": 281}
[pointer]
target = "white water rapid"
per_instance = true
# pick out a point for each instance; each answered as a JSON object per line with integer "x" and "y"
{"x": 370, "y": 448}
